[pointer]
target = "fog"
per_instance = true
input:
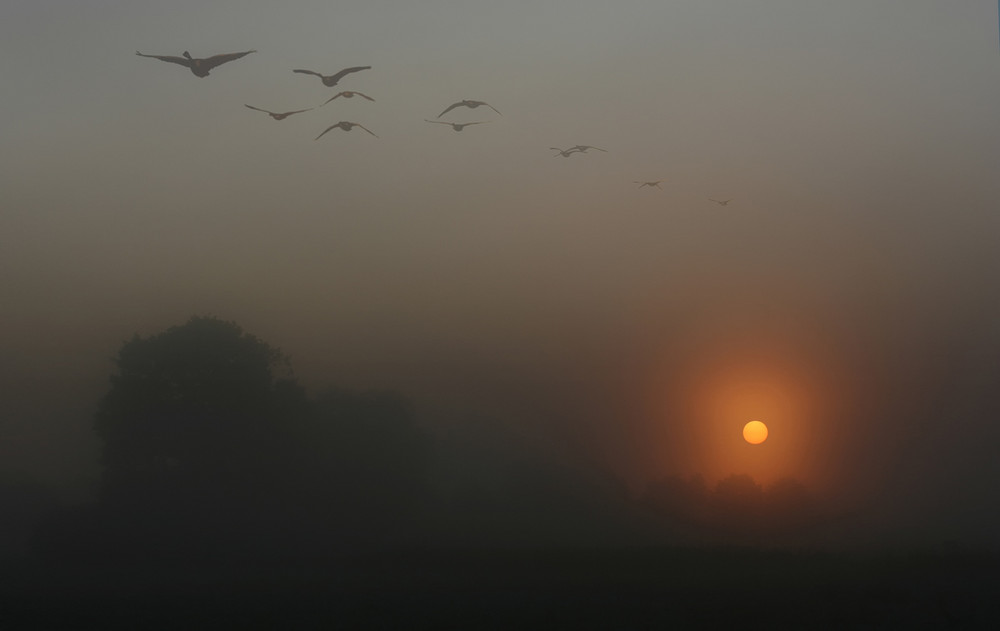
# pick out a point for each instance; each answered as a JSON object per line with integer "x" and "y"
{"x": 846, "y": 295}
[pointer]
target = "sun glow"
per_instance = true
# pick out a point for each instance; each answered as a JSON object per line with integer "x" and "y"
{"x": 706, "y": 406}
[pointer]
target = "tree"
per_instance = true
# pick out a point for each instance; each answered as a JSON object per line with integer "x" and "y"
{"x": 193, "y": 418}
{"x": 210, "y": 448}
{"x": 359, "y": 471}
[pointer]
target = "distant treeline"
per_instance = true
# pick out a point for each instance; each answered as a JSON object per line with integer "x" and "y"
{"x": 213, "y": 451}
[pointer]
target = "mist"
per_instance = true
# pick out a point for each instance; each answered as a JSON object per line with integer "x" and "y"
{"x": 562, "y": 357}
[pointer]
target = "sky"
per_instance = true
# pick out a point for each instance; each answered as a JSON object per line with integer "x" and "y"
{"x": 846, "y": 295}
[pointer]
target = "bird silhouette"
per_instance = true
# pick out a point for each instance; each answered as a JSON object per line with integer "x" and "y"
{"x": 200, "y": 67}
{"x": 584, "y": 148}
{"x": 332, "y": 79}
{"x": 720, "y": 202}
{"x": 347, "y": 94}
{"x": 564, "y": 152}
{"x": 277, "y": 115}
{"x": 469, "y": 104}
{"x": 457, "y": 126}
{"x": 346, "y": 126}
{"x": 655, "y": 183}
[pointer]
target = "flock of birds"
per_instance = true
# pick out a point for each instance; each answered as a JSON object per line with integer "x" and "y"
{"x": 201, "y": 67}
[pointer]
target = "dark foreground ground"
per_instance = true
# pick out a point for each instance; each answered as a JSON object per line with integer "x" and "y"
{"x": 517, "y": 589}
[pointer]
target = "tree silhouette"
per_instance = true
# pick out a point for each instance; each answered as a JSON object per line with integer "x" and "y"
{"x": 359, "y": 466}
{"x": 789, "y": 507}
{"x": 736, "y": 510}
{"x": 210, "y": 447}
{"x": 736, "y": 506}
{"x": 680, "y": 499}
{"x": 196, "y": 417}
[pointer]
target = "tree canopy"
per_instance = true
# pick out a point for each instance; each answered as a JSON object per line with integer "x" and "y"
{"x": 208, "y": 439}
{"x": 193, "y": 412}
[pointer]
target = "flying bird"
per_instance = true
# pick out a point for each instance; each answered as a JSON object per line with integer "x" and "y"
{"x": 347, "y": 94}
{"x": 649, "y": 184}
{"x": 346, "y": 126}
{"x": 720, "y": 202}
{"x": 584, "y": 148}
{"x": 200, "y": 67}
{"x": 332, "y": 79}
{"x": 457, "y": 126}
{"x": 564, "y": 152}
{"x": 470, "y": 104}
{"x": 277, "y": 115}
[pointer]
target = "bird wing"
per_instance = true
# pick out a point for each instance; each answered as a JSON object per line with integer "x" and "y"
{"x": 296, "y": 112}
{"x": 326, "y": 130}
{"x": 491, "y": 107}
{"x": 258, "y": 109}
{"x": 300, "y": 71}
{"x": 218, "y": 60}
{"x": 365, "y": 128}
{"x": 332, "y": 97}
{"x": 474, "y": 123}
{"x": 346, "y": 71}
{"x": 437, "y": 122}
{"x": 450, "y": 108}
{"x": 168, "y": 58}
{"x": 365, "y": 96}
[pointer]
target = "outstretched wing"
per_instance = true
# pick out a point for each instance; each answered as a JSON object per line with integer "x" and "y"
{"x": 450, "y": 108}
{"x": 345, "y": 94}
{"x": 365, "y": 128}
{"x": 474, "y": 123}
{"x": 300, "y": 71}
{"x": 436, "y": 122}
{"x": 326, "y": 130}
{"x": 491, "y": 107}
{"x": 258, "y": 109}
{"x": 218, "y": 60}
{"x": 296, "y": 112}
{"x": 346, "y": 71}
{"x": 183, "y": 61}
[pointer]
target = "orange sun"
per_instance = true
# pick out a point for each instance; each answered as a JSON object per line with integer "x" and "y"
{"x": 755, "y": 432}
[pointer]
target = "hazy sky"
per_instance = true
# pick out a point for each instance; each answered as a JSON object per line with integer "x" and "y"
{"x": 847, "y": 296}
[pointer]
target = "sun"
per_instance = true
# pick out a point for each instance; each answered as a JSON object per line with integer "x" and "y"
{"x": 755, "y": 432}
